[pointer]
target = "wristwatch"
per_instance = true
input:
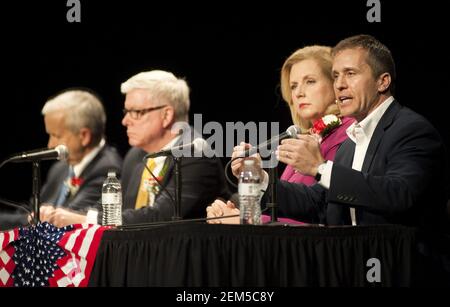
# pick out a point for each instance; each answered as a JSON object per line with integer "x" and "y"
{"x": 320, "y": 170}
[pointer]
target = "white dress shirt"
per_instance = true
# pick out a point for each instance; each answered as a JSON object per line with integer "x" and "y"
{"x": 79, "y": 168}
{"x": 361, "y": 134}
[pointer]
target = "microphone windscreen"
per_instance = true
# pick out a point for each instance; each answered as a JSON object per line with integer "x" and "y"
{"x": 293, "y": 130}
{"x": 199, "y": 145}
{"x": 63, "y": 152}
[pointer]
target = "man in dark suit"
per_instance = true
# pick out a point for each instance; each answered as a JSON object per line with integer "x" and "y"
{"x": 201, "y": 178}
{"x": 76, "y": 118}
{"x": 391, "y": 170}
{"x": 156, "y": 102}
{"x": 90, "y": 181}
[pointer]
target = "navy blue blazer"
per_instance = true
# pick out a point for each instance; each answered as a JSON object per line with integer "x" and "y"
{"x": 402, "y": 181}
{"x": 93, "y": 177}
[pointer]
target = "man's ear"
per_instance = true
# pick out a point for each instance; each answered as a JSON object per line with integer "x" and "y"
{"x": 85, "y": 135}
{"x": 168, "y": 116}
{"x": 384, "y": 82}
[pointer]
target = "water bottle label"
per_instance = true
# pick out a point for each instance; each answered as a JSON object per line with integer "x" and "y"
{"x": 249, "y": 189}
{"x": 111, "y": 198}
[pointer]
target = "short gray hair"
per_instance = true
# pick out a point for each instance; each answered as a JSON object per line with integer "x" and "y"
{"x": 82, "y": 110}
{"x": 162, "y": 85}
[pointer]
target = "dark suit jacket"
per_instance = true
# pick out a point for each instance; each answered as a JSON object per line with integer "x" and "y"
{"x": 402, "y": 180}
{"x": 93, "y": 176}
{"x": 203, "y": 180}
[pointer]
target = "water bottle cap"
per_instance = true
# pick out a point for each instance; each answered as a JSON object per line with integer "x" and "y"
{"x": 249, "y": 162}
{"x": 111, "y": 173}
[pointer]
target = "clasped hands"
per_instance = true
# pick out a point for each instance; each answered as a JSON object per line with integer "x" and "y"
{"x": 59, "y": 217}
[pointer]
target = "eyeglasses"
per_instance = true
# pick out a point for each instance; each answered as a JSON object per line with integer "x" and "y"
{"x": 136, "y": 114}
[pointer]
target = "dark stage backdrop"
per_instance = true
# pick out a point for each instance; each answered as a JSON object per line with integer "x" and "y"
{"x": 229, "y": 52}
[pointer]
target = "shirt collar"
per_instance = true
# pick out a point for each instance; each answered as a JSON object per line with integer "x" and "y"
{"x": 366, "y": 127}
{"x": 167, "y": 146}
{"x": 79, "y": 168}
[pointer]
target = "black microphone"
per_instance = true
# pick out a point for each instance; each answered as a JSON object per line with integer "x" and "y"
{"x": 198, "y": 144}
{"x": 290, "y": 132}
{"x": 60, "y": 152}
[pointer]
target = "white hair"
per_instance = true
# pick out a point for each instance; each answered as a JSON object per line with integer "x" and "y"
{"x": 81, "y": 110}
{"x": 162, "y": 85}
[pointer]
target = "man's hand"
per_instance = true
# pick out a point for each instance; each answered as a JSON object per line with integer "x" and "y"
{"x": 218, "y": 208}
{"x": 45, "y": 212}
{"x": 237, "y": 164}
{"x": 303, "y": 154}
{"x": 62, "y": 217}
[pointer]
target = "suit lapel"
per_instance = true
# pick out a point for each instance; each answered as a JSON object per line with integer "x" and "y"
{"x": 344, "y": 155}
{"x": 170, "y": 165}
{"x": 385, "y": 121}
{"x": 336, "y": 213}
{"x": 85, "y": 172}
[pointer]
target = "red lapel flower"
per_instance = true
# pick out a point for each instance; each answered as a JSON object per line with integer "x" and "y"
{"x": 76, "y": 181}
{"x": 73, "y": 184}
{"x": 325, "y": 125}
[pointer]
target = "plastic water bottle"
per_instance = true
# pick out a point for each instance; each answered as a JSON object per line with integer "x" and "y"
{"x": 112, "y": 200}
{"x": 249, "y": 193}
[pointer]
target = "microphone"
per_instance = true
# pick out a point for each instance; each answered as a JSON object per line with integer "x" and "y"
{"x": 199, "y": 145}
{"x": 290, "y": 132}
{"x": 60, "y": 152}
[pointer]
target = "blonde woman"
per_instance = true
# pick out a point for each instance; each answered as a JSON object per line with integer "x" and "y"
{"x": 307, "y": 87}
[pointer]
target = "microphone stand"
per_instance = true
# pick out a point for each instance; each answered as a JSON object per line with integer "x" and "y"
{"x": 36, "y": 190}
{"x": 177, "y": 213}
{"x": 272, "y": 204}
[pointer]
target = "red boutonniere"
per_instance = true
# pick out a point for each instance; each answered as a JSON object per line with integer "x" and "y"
{"x": 325, "y": 125}
{"x": 74, "y": 184}
{"x": 76, "y": 181}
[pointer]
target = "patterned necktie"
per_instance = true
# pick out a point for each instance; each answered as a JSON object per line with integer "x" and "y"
{"x": 64, "y": 190}
{"x": 143, "y": 197}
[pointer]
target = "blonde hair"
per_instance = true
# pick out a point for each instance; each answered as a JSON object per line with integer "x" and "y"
{"x": 320, "y": 54}
{"x": 162, "y": 85}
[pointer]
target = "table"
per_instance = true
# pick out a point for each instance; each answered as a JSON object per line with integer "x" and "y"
{"x": 199, "y": 254}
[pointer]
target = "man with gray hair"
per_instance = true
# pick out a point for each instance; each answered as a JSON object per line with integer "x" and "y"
{"x": 76, "y": 119}
{"x": 155, "y": 102}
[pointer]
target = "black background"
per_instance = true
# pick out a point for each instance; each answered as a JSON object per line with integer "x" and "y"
{"x": 230, "y": 53}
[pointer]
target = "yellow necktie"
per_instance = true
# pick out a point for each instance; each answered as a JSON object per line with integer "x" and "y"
{"x": 142, "y": 199}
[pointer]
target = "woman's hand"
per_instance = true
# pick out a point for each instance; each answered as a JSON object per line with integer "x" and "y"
{"x": 219, "y": 208}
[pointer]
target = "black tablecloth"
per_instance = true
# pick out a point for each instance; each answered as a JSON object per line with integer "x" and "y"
{"x": 240, "y": 255}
